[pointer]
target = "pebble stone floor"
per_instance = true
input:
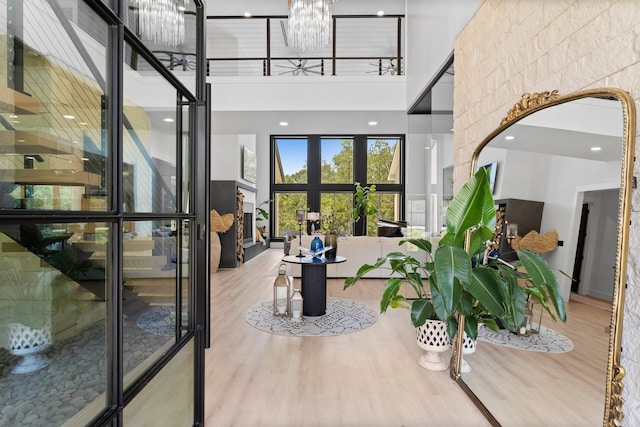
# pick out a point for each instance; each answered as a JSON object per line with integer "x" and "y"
{"x": 74, "y": 378}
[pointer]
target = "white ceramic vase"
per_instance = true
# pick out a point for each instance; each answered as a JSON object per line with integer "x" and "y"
{"x": 433, "y": 338}
{"x": 468, "y": 347}
{"x": 28, "y": 343}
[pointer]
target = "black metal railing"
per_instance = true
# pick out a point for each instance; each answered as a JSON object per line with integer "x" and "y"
{"x": 258, "y": 46}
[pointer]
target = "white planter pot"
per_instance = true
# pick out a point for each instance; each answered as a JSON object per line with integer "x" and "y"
{"x": 468, "y": 347}
{"x": 28, "y": 343}
{"x": 433, "y": 338}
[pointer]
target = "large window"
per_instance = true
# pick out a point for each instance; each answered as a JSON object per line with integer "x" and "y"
{"x": 318, "y": 174}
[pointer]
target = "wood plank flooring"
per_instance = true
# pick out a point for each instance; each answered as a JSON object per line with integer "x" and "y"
{"x": 369, "y": 378}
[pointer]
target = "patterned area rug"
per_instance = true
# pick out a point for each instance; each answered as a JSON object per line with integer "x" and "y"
{"x": 548, "y": 340}
{"x": 342, "y": 317}
{"x": 159, "y": 320}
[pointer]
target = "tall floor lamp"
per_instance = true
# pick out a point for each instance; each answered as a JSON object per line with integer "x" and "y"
{"x": 300, "y": 219}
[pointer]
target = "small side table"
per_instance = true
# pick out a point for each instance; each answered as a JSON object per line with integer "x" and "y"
{"x": 314, "y": 282}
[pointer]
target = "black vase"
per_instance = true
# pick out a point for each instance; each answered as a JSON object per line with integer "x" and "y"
{"x": 331, "y": 240}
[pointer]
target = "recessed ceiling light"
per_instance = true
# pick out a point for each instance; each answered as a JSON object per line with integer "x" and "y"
{"x": 596, "y": 148}
{"x": 74, "y": 142}
{"x": 373, "y": 123}
{"x": 13, "y": 116}
{"x": 247, "y": 14}
{"x": 69, "y": 117}
{"x": 167, "y": 120}
{"x": 284, "y": 124}
{"x": 21, "y": 140}
{"x": 381, "y": 13}
{"x": 85, "y": 159}
{"x": 509, "y": 137}
{"x": 83, "y": 123}
{"x": 451, "y": 129}
{"x": 16, "y": 121}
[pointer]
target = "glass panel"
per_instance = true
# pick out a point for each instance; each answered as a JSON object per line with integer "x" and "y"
{"x": 169, "y": 398}
{"x": 150, "y": 264}
{"x": 335, "y": 212}
{"x": 186, "y": 159}
{"x": 290, "y": 161}
{"x": 185, "y": 278}
{"x": 417, "y": 216}
{"x": 383, "y": 160}
{"x": 285, "y": 206}
{"x": 52, "y": 138}
{"x": 337, "y": 160}
{"x": 52, "y": 323}
{"x": 151, "y": 136}
{"x": 168, "y": 29}
{"x": 388, "y": 205}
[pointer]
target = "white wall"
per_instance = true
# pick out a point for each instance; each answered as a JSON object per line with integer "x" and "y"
{"x": 557, "y": 181}
{"x": 431, "y": 29}
{"x": 226, "y": 157}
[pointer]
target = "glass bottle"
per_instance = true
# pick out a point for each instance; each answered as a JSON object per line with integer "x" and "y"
{"x": 316, "y": 244}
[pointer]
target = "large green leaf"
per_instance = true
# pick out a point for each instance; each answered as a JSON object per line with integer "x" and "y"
{"x": 423, "y": 244}
{"x": 450, "y": 263}
{"x": 471, "y": 206}
{"x": 421, "y": 310}
{"x": 485, "y": 287}
{"x": 391, "y": 288}
{"x": 541, "y": 274}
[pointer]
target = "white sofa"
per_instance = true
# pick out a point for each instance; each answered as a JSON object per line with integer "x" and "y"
{"x": 358, "y": 250}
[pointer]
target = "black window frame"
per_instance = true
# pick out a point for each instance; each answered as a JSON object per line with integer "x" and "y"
{"x": 314, "y": 186}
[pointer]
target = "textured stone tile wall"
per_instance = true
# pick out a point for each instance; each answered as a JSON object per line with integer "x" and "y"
{"x": 512, "y": 47}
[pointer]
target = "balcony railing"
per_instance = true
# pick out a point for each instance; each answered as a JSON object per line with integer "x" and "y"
{"x": 258, "y": 46}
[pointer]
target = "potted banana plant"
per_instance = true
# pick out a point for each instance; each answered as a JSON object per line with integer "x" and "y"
{"x": 459, "y": 276}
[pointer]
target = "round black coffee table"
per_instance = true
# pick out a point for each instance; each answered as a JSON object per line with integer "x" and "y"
{"x": 314, "y": 282}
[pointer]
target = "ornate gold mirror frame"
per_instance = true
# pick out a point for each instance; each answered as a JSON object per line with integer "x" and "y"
{"x": 529, "y": 104}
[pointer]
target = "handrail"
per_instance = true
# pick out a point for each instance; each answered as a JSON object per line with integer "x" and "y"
{"x": 393, "y": 68}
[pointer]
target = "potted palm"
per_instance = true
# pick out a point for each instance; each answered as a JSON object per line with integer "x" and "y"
{"x": 461, "y": 278}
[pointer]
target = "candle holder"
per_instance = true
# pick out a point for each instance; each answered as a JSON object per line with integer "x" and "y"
{"x": 300, "y": 219}
{"x": 281, "y": 295}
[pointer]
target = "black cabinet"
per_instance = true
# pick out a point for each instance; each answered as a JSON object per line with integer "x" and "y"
{"x": 527, "y": 214}
{"x": 238, "y": 243}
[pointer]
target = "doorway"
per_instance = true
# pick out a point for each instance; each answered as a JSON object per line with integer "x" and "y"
{"x": 594, "y": 266}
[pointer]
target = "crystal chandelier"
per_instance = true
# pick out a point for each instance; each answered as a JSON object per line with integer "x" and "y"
{"x": 310, "y": 23}
{"x": 161, "y": 21}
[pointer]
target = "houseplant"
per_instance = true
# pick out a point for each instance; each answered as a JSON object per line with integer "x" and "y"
{"x": 363, "y": 206}
{"x": 262, "y": 214}
{"x": 333, "y": 224}
{"x": 461, "y": 278}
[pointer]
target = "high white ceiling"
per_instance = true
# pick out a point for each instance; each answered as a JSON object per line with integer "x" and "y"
{"x": 570, "y": 129}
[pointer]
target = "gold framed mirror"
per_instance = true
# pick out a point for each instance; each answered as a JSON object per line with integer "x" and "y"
{"x": 570, "y": 155}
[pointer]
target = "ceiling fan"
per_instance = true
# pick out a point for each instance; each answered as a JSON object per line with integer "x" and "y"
{"x": 385, "y": 68}
{"x": 300, "y": 67}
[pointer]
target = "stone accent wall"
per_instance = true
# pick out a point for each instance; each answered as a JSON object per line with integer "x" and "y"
{"x": 511, "y": 47}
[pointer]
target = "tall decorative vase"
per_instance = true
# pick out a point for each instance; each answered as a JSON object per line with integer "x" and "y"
{"x": 28, "y": 343}
{"x": 331, "y": 240}
{"x": 215, "y": 252}
{"x": 468, "y": 347}
{"x": 434, "y": 339}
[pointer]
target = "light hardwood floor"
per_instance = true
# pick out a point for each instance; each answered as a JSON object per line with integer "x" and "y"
{"x": 368, "y": 378}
